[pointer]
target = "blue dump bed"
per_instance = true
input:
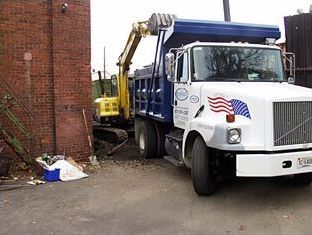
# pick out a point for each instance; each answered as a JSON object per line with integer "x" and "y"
{"x": 152, "y": 92}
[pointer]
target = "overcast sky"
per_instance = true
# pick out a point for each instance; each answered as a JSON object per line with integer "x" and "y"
{"x": 111, "y": 22}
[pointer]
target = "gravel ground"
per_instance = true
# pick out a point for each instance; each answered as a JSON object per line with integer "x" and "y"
{"x": 129, "y": 195}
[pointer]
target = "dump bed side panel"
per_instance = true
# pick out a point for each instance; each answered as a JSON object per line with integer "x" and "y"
{"x": 158, "y": 100}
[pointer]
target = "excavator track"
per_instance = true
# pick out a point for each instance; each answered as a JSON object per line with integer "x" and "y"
{"x": 110, "y": 134}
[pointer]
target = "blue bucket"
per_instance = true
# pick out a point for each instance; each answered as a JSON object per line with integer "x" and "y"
{"x": 52, "y": 175}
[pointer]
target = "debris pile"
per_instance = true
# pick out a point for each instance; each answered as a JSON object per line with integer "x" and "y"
{"x": 125, "y": 155}
{"x": 59, "y": 167}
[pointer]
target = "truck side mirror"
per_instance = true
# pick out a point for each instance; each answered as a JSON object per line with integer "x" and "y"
{"x": 290, "y": 65}
{"x": 169, "y": 64}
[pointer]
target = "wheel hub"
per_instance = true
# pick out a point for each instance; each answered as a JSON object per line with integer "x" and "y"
{"x": 142, "y": 141}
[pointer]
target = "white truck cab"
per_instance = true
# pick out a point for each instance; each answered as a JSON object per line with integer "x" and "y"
{"x": 235, "y": 97}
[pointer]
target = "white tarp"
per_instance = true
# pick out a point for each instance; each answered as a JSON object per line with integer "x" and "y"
{"x": 67, "y": 171}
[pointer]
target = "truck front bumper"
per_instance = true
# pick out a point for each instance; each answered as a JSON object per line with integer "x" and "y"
{"x": 275, "y": 164}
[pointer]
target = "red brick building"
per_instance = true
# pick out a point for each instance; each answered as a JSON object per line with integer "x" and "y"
{"x": 45, "y": 58}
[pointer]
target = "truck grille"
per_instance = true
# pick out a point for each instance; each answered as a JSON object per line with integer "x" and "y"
{"x": 292, "y": 123}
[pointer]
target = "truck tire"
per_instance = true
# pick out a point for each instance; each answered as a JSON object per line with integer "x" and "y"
{"x": 303, "y": 179}
{"x": 160, "y": 134}
{"x": 147, "y": 140}
{"x": 204, "y": 178}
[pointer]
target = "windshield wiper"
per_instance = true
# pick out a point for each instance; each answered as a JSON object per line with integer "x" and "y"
{"x": 225, "y": 79}
{"x": 271, "y": 80}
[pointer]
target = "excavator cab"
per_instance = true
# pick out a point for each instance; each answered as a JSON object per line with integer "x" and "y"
{"x": 114, "y": 85}
{"x": 106, "y": 107}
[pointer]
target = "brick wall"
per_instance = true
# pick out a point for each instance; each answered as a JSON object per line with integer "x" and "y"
{"x": 45, "y": 58}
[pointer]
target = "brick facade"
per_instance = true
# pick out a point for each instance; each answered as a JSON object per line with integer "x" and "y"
{"x": 45, "y": 57}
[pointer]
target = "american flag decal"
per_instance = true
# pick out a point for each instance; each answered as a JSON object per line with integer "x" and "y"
{"x": 219, "y": 104}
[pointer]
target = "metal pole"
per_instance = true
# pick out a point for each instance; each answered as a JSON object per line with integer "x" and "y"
{"x": 101, "y": 83}
{"x": 226, "y": 10}
{"x": 104, "y": 73}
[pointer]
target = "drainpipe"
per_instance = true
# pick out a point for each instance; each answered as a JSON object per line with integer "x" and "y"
{"x": 53, "y": 84}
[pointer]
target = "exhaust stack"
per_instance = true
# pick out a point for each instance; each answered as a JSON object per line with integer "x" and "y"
{"x": 226, "y": 10}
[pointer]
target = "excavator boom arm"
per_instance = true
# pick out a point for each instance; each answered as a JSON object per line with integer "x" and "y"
{"x": 139, "y": 30}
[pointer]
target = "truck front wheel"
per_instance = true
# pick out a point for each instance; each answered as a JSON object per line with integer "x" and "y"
{"x": 147, "y": 139}
{"x": 203, "y": 169}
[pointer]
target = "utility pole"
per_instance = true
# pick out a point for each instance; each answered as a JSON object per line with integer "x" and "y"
{"x": 104, "y": 71}
{"x": 226, "y": 10}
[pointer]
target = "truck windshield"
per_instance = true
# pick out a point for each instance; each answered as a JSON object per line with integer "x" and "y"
{"x": 228, "y": 63}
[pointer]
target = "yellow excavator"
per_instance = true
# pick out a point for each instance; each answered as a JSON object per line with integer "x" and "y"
{"x": 115, "y": 109}
{"x": 106, "y": 106}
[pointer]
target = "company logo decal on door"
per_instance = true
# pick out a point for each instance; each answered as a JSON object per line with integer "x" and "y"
{"x": 194, "y": 99}
{"x": 181, "y": 94}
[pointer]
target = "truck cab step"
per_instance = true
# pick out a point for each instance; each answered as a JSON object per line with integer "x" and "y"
{"x": 174, "y": 161}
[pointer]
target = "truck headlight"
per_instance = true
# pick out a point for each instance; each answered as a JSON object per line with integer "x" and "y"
{"x": 234, "y": 136}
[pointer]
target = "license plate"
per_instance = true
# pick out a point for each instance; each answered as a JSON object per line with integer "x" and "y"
{"x": 304, "y": 162}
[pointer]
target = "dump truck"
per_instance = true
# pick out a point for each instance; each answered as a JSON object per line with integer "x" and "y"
{"x": 217, "y": 100}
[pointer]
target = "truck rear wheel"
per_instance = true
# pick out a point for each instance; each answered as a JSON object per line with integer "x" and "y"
{"x": 160, "y": 135}
{"x": 137, "y": 123}
{"x": 203, "y": 169}
{"x": 147, "y": 139}
{"x": 303, "y": 179}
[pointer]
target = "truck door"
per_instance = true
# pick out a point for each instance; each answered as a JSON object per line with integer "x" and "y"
{"x": 185, "y": 98}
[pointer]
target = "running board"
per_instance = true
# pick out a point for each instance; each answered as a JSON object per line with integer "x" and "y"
{"x": 174, "y": 161}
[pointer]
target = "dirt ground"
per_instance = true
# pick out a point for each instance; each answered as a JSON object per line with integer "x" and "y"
{"x": 129, "y": 195}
